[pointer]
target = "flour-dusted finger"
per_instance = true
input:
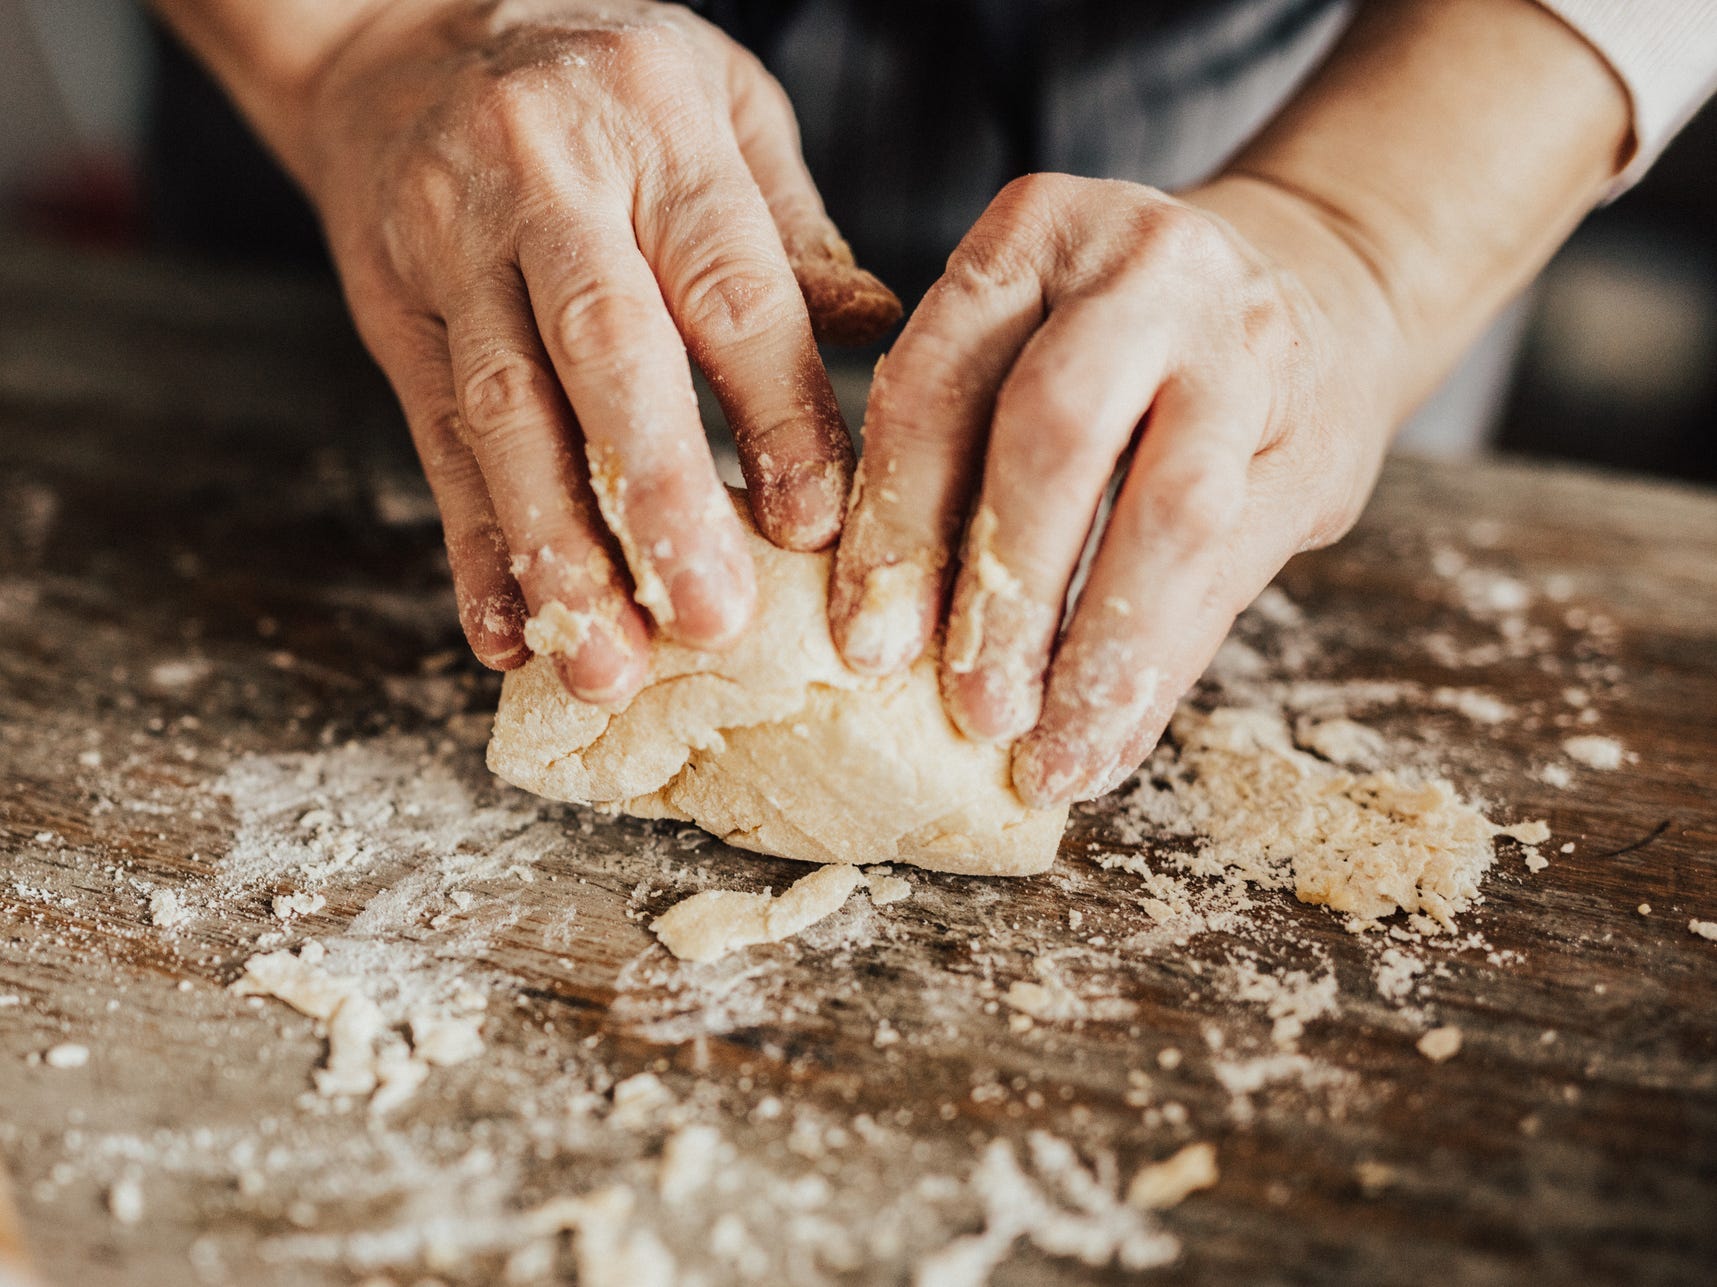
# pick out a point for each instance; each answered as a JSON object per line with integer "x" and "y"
{"x": 724, "y": 275}
{"x": 1139, "y": 633}
{"x": 1065, "y": 415}
{"x": 621, "y": 363}
{"x": 413, "y": 352}
{"x": 515, "y": 419}
{"x": 926, "y": 426}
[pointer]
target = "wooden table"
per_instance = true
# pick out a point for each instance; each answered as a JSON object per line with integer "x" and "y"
{"x": 218, "y": 571}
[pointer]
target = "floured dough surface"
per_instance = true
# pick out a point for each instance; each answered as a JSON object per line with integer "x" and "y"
{"x": 774, "y": 745}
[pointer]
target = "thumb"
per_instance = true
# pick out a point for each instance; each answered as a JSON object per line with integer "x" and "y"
{"x": 847, "y": 304}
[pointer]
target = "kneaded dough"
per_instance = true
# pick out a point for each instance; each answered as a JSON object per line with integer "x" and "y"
{"x": 775, "y": 746}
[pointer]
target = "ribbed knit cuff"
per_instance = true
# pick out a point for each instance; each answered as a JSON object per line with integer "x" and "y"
{"x": 1664, "y": 52}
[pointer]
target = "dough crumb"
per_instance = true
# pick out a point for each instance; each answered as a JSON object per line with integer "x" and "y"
{"x": 1168, "y": 1183}
{"x": 638, "y": 1099}
{"x": 689, "y": 1161}
{"x": 886, "y": 889}
{"x": 125, "y": 1200}
{"x": 1440, "y": 1045}
{"x": 286, "y": 906}
{"x": 1705, "y": 929}
{"x": 446, "y": 1039}
{"x": 1263, "y": 811}
{"x": 1344, "y": 741}
{"x": 1534, "y": 832}
{"x": 1480, "y": 708}
{"x": 1644, "y": 909}
{"x": 707, "y": 926}
{"x": 1595, "y": 752}
{"x": 71, "y": 1055}
{"x": 165, "y": 909}
{"x": 1375, "y": 1177}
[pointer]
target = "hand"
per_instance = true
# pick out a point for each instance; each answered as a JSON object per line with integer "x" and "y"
{"x": 1086, "y": 326}
{"x": 536, "y": 210}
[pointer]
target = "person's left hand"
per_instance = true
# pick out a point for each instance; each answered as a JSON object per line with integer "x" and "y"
{"x": 1084, "y": 324}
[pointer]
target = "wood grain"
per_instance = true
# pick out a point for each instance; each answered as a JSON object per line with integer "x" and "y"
{"x": 203, "y": 466}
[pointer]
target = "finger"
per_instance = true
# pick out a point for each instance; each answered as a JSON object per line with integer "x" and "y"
{"x": 928, "y": 416}
{"x": 728, "y": 286}
{"x": 1162, "y": 574}
{"x": 412, "y": 349}
{"x": 847, "y": 304}
{"x": 1065, "y": 415}
{"x": 1263, "y": 539}
{"x": 623, "y": 367}
{"x": 516, "y": 422}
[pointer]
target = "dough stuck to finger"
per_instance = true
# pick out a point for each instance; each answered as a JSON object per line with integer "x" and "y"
{"x": 847, "y": 305}
{"x": 775, "y": 746}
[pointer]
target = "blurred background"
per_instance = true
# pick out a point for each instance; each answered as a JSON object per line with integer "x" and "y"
{"x": 112, "y": 141}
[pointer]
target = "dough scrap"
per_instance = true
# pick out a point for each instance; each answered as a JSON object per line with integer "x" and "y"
{"x": 775, "y": 746}
{"x": 707, "y": 926}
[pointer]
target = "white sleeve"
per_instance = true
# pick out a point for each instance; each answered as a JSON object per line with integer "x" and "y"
{"x": 1663, "y": 51}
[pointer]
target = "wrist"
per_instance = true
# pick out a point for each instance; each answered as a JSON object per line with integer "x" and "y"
{"x": 270, "y": 57}
{"x": 1348, "y": 273}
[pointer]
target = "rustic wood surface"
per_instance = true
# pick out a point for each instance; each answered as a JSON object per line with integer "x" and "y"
{"x": 203, "y": 466}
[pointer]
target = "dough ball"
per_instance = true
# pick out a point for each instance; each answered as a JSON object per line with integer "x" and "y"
{"x": 775, "y": 746}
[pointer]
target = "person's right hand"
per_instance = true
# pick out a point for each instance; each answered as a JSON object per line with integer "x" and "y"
{"x": 536, "y": 210}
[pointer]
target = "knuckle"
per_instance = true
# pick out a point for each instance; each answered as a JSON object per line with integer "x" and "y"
{"x": 1191, "y": 505}
{"x": 990, "y": 261}
{"x": 734, "y": 296}
{"x": 1051, "y": 420}
{"x": 592, "y": 321}
{"x": 1335, "y": 517}
{"x": 1035, "y": 192}
{"x": 1005, "y": 248}
{"x": 1162, "y": 233}
{"x": 504, "y": 393}
{"x": 653, "y": 63}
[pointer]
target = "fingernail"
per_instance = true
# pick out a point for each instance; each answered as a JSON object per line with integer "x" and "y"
{"x": 1111, "y": 783}
{"x": 803, "y": 509}
{"x": 596, "y": 663}
{"x": 503, "y": 657}
{"x": 988, "y": 705}
{"x": 1046, "y": 772}
{"x": 602, "y": 673}
{"x": 886, "y": 632}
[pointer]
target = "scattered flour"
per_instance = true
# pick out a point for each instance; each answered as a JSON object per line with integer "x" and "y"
{"x": 1595, "y": 752}
{"x": 1261, "y": 809}
{"x": 1280, "y": 788}
{"x": 1090, "y": 1223}
{"x": 166, "y": 910}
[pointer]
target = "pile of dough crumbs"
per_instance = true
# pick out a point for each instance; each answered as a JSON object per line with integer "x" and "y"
{"x": 465, "y": 1123}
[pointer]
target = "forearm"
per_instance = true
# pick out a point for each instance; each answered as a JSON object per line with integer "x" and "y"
{"x": 266, "y": 55}
{"x": 1427, "y": 172}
